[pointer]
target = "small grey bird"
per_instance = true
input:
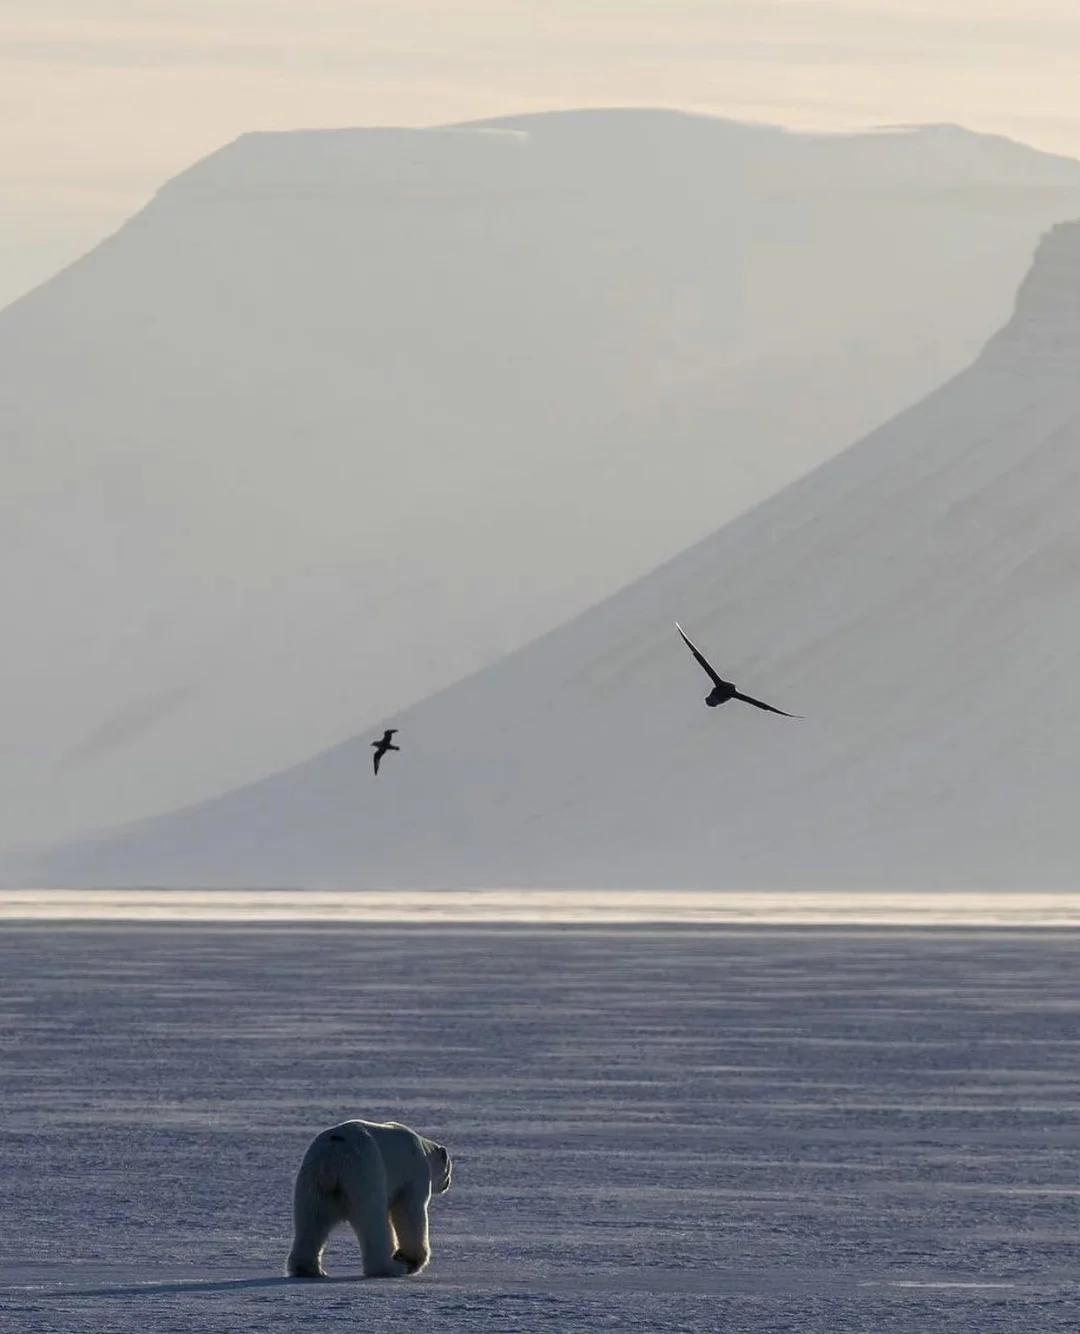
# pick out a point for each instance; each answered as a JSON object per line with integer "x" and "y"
{"x": 723, "y": 690}
{"x": 383, "y": 745}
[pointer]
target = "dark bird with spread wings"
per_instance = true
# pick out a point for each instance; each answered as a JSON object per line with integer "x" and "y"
{"x": 723, "y": 690}
{"x": 383, "y": 745}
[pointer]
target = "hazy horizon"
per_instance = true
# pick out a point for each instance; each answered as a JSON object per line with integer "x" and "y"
{"x": 104, "y": 105}
{"x": 1021, "y": 909}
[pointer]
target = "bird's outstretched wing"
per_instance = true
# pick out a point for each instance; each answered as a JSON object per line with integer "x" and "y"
{"x": 377, "y": 757}
{"x": 760, "y": 704}
{"x": 388, "y": 734}
{"x": 717, "y": 680}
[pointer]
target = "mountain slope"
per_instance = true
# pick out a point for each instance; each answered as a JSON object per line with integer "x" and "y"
{"x": 916, "y": 598}
{"x": 341, "y": 415}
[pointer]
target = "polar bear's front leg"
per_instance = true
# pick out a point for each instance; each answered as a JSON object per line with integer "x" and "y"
{"x": 368, "y": 1219}
{"x": 363, "y": 1181}
{"x": 409, "y": 1215}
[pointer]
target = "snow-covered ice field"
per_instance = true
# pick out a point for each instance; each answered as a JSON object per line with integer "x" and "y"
{"x": 806, "y": 1129}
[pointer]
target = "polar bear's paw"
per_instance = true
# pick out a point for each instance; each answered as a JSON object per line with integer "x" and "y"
{"x": 306, "y": 1270}
{"x": 394, "y": 1268}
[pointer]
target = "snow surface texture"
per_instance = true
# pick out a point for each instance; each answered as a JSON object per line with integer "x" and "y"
{"x": 916, "y": 598}
{"x": 344, "y": 415}
{"x": 799, "y": 1132}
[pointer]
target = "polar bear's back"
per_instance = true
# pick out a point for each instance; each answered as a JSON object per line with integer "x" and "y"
{"x": 379, "y": 1151}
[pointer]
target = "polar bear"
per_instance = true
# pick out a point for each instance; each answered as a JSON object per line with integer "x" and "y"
{"x": 378, "y": 1177}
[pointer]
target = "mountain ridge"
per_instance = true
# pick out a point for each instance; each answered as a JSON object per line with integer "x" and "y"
{"x": 910, "y": 596}
{"x": 277, "y": 463}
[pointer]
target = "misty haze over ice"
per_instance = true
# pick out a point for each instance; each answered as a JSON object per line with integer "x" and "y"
{"x": 915, "y": 598}
{"x": 342, "y": 416}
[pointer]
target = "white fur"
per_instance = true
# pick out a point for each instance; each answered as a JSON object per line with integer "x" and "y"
{"x": 378, "y": 1178}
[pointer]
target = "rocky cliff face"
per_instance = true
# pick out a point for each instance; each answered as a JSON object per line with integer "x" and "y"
{"x": 1044, "y": 331}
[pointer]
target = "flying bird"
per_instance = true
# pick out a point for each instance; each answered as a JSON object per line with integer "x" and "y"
{"x": 383, "y": 745}
{"x": 723, "y": 690}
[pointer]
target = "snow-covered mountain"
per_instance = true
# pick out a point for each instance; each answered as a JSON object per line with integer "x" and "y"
{"x": 342, "y": 416}
{"x": 916, "y": 598}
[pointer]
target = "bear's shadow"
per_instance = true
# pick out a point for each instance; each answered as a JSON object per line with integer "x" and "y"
{"x": 170, "y": 1288}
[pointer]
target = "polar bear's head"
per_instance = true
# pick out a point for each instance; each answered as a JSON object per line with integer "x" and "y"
{"x": 441, "y": 1167}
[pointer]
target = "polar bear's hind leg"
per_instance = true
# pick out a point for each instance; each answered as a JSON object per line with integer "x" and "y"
{"x": 315, "y": 1214}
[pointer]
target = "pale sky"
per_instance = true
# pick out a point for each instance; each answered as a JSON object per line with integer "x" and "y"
{"x": 103, "y": 100}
